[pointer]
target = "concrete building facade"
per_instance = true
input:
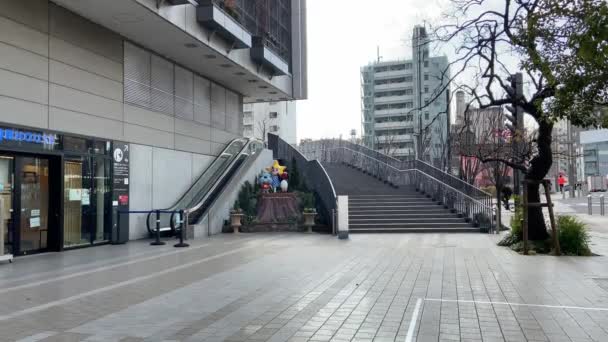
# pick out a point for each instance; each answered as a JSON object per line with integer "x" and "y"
{"x": 124, "y": 103}
{"x": 595, "y": 152}
{"x": 405, "y": 107}
{"x": 278, "y": 118}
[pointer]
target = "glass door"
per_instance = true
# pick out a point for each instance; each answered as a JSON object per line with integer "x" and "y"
{"x": 75, "y": 232}
{"x": 33, "y": 174}
{"x": 87, "y": 201}
{"x": 101, "y": 199}
{"x": 6, "y": 204}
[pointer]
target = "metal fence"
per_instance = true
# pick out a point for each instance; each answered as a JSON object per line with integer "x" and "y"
{"x": 312, "y": 173}
{"x": 311, "y": 149}
{"x": 478, "y": 211}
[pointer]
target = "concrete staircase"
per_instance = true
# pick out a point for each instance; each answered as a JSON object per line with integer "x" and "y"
{"x": 377, "y": 207}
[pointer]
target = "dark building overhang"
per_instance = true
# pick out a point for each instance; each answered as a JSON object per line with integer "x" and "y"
{"x": 263, "y": 55}
{"x": 214, "y": 18}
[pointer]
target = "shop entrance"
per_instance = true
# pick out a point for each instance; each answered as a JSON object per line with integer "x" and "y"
{"x": 30, "y": 208}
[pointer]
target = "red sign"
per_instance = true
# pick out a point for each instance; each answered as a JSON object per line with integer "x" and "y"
{"x": 123, "y": 199}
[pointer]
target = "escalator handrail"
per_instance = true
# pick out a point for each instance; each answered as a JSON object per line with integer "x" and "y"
{"x": 224, "y": 152}
{"x": 244, "y": 151}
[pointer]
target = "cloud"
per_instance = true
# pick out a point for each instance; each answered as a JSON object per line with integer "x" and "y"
{"x": 343, "y": 35}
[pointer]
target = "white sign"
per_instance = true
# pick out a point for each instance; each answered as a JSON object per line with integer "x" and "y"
{"x": 35, "y": 212}
{"x": 75, "y": 194}
{"x": 86, "y": 198}
{"x": 126, "y": 181}
{"x": 34, "y": 222}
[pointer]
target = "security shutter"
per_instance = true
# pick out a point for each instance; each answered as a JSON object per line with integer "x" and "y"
{"x": 202, "y": 100}
{"x": 232, "y": 112}
{"x": 137, "y": 75}
{"x": 218, "y": 106}
{"x": 162, "y": 85}
{"x": 184, "y": 89}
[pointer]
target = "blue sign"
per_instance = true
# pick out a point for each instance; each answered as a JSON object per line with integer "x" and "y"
{"x": 11, "y": 134}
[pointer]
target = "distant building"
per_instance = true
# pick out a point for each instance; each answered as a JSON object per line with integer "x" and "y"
{"x": 460, "y": 107}
{"x": 279, "y": 118}
{"x": 402, "y": 98}
{"x": 595, "y": 149}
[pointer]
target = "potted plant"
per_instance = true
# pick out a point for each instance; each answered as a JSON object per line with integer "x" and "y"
{"x": 236, "y": 214}
{"x": 309, "y": 218}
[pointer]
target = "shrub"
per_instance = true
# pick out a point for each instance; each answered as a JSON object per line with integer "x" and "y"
{"x": 516, "y": 234}
{"x": 573, "y": 236}
{"x": 516, "y": 220}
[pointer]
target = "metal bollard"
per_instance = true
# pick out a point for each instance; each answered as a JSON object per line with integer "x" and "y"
{"x": 589, "y": 205}
{"x": 602, "y": 205}
{"x": 157, "y": 241}
{"x": 182, "y": 231}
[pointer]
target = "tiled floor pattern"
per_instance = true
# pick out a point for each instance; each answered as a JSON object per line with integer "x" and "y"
{"x": 297, "y": 287}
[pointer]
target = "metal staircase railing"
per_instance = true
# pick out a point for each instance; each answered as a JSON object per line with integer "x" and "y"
{"x": 313, "y": 175}
{"x": 475, "y": 205}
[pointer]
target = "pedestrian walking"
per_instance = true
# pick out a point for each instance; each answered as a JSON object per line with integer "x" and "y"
{"x": 561, "y": 181}
{"x": 506, "y": 196}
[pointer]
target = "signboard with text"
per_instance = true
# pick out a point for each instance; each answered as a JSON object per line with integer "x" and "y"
{"x": 120, "y": 185}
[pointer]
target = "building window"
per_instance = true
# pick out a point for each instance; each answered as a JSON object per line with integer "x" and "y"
{"x": 408, "y": 65}
{"x": 273, "y": 115}
{"x": 409, "y": 91}
{"x": 426, "y": 64}
{"x": 426, "y": 77}
{"x": 426, "y": 115}
{"x": 248, "y": 115}
{"x": 274, "y": 128}
{"x": 426, "y": 90}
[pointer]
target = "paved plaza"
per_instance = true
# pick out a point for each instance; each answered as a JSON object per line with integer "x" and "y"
{"x": 299, "y": 287}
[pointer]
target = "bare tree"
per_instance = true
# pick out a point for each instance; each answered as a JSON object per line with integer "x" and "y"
{"x": 563, "y": 60}
{"x": 262, "y": 129}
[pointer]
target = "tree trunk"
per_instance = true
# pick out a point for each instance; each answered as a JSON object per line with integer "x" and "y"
{"x": 539, "y": 167}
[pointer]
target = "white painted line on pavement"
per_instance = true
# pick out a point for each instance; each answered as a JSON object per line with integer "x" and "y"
{"x": 410, "y": 330}
{"x": 38, "y": 337}
{"x": 117, "y": 285}
{"x": 515, "y": 304}
{"x": 113, "y": 266}
{"x": 98, "y": 269}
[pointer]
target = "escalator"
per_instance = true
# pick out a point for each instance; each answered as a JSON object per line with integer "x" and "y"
{"x": 205, "y": 190}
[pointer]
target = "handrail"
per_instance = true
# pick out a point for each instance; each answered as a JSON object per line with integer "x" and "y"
{"x": 192, "y": 204}
{"x": 477, "y": 210}
{"x": 410, "y": 170}
{"x": 313, "y": 174}
{"x": 226, "y": 171}
{"x": 417, "y": 163}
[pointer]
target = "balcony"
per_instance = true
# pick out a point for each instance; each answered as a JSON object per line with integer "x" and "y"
{"x": 212, "y": 17}
{"x": 395, "y": 138}
{"x": 402, "y": 152}
{"x": 392, "y": 73}
{"x": 393, "y": 99}
{"x": 391, "y": 112}
{"x": 263, "y": 55}
{"x": 394, "y": 124}
{"x": 393, "y": 86}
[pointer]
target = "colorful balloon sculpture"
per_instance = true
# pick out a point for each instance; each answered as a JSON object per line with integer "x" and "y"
{"x": 278, "y": 176}
{"x": 265, "y": 182}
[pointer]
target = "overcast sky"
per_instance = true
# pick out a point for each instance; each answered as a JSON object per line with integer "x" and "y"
{"x": 343, "y": 35}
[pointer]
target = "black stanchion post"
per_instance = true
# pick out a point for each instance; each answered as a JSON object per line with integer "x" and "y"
{"x": 182, "y": 230}
{"x": 157, "y": 241}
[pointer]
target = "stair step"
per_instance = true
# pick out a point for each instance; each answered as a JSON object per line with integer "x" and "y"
{"x": 393, "y": 206}
{"x": 409, "y": 225}
{"x": 415, "y": 230}
{"x": 413, "y": 214}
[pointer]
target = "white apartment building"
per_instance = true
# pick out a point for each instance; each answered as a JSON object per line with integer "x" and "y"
{"x": 402, "y": 99}
{"x": 279, "y": 118}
